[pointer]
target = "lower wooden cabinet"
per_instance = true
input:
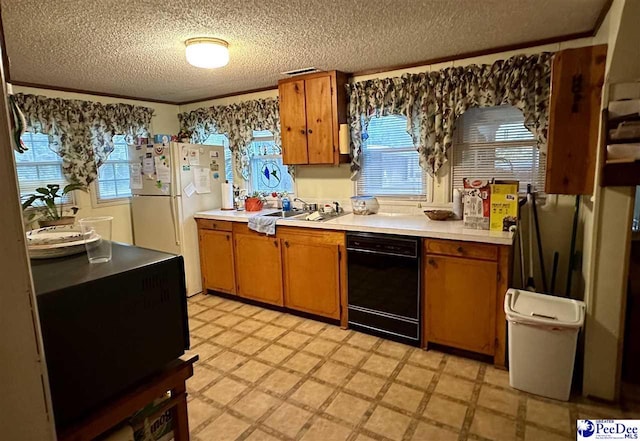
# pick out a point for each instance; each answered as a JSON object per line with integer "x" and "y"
{"x": 464, "y": 284}
{"x": 216, "y": 260}
{"x": 460, "y": 302}
{"x": 312, "y": 272}
{"x": 258, "y": 268}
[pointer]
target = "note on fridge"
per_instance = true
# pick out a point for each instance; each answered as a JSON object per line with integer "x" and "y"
{"x": 147, "y": 165}
{"x": 135, "y": 173}
{"x": 190, "y": 189}
{"x": 194, "y": 157}
{"x": 163, "y": 172}
{"x": 202, "y": 179}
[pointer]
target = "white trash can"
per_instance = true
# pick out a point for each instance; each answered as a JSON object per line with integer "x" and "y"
{"x": 543, "y": 334}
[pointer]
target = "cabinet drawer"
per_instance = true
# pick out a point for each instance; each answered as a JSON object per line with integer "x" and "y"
{"x": 210, "y": 224}
{"x": 461, "y": 249}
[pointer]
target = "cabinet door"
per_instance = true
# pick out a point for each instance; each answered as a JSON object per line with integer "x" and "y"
{"x": 258, "y": 268}
{"x": 312, "y": 277}
{"x": 293, "y": 122}
{"x": 577, "y": 76}
{"x": 319, "y": 120}
{"x": 216, "y": 260}
{"x": 460, "y": 296}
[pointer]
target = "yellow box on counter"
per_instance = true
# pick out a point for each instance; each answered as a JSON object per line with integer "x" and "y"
{"x": 504, "y": 205}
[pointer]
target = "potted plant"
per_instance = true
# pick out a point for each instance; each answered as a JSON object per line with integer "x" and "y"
{"x": 45, "y": 205}
{"x": 255, "y": 202}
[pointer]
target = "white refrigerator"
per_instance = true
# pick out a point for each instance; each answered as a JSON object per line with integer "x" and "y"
{"x": 170, "y": 183}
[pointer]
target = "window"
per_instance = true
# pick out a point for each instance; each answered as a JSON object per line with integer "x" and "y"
{"x": 390, "y": 162}
{"x": 492, "y": 142}
{"x": 267, "y": 171}
{"x": 113, "y": 174}
{"x": 39, "y": 165}
{"x": 218, "y": 139}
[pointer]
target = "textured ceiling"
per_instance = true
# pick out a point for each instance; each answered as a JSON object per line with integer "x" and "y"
{"x": 136, "y": 47}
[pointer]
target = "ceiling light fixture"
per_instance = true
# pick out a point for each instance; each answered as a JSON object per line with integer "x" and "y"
{"x": 207, "y": 53}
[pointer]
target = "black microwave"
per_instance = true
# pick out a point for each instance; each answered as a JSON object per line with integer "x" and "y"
{"x": 106, "y": 327}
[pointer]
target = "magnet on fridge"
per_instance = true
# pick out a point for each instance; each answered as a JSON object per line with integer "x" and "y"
{"x": 216, "y": 175}
{"x": 158, "y": 150}
{"x": 213, "y": 154}
{"x": 186, "y": 168}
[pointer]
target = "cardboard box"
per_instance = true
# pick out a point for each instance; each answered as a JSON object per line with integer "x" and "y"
{"x": 504, "y": 205}
{"x": 476, "y": 197}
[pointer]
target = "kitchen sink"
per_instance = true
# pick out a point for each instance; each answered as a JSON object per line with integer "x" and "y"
{"x": 302, "y": 215}
{"x": 287, "y": 214}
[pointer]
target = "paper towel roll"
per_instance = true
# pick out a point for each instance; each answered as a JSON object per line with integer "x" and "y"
{"x": 345, "y": 141}
{"x": 227, "y": 196}
{"x": 457, "y": 203}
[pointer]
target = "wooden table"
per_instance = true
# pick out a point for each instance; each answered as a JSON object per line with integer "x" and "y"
{"x": 173, "y": 378}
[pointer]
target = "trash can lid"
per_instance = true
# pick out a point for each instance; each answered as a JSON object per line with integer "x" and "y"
{"x": 541, "y": 309}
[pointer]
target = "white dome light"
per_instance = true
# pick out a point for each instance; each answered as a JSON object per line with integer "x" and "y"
{"x": 207, "y": 53}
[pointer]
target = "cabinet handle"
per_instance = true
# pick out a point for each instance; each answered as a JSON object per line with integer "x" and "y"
{"x": 460, "y": 250}
{"x": 309, "y": 131}
{"x": 275, "y": 242}
{"x": 286, "y": 244}
{"x": 432, "y": 263}
{"x": 302, "y": 131}
{"x": 228, "y": 238}
{"x": 215, "y": 226}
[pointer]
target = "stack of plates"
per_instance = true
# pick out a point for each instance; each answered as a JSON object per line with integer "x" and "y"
{"x": 58, "y": 241}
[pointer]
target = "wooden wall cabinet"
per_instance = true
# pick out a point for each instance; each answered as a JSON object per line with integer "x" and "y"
{"x": 312, "y": 107}
{"x": 312, "y": 271}
{"x": 216, "y": 256}
{"x": 258, "y": 266}
{"x": 463, "y": 294}
{"x": 577, "y": 76}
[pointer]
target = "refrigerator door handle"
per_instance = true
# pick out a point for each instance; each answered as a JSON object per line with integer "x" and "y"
{"x": 174, "y": 216}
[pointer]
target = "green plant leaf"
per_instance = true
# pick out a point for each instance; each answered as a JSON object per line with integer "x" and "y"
{"x": 72, "y": 187}
{"x": 43, "y": 190}
{"x": 27, "y": 203}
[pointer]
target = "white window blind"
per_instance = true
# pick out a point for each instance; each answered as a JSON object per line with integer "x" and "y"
{"x": 390, "y": 162}
{"x": 39, "y": 165}
{"x": 268, "y": 173}
{"x": 219, "y": 139}
{"x": 492, "y": 142}
{"x": 114, "y": 175}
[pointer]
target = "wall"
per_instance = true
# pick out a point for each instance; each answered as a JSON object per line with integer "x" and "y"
{"x": 164, "y": 121}
{"x": 324, "y": 184}
{"x": 24, "y": 400}
{"x": 608, "y": 217}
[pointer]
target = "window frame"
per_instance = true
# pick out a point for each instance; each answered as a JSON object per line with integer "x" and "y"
{"x": 71, "y": 199}
{"x": 250, "y": 184}
{"x": 96, "y": 200}
{"x": 403, "y": 200}
{"x": 457, "y": 141}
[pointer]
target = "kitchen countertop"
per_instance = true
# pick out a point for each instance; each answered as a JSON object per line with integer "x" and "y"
{"x": 385, "y": 223}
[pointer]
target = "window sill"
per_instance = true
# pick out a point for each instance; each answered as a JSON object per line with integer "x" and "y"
{"x": 110, "y": 202}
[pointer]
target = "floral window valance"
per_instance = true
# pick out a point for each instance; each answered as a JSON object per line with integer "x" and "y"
{"x": 432, "y": 101}
{"x": 83, "y": 130}
{"x": 237, "y": 122}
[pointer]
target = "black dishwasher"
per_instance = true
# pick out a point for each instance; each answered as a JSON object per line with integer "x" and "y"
{"x": 384, "y": 285}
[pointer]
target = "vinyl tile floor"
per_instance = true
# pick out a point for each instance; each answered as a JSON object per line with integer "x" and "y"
{"x": 265, "y": 375}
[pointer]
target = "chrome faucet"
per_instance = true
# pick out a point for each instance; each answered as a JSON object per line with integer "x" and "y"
{"x": 306, "y": 206}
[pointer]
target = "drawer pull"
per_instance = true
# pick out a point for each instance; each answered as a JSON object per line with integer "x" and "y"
{"x": 228, "y": 237}
{"x": 275, "y": 243}
{"x": 461, "y": 250}
{"x": 215, "y": 226}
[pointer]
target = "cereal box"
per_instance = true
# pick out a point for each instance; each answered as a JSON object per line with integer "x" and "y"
{"x": 504, "y": 205}
{"x": 476, "y": 198}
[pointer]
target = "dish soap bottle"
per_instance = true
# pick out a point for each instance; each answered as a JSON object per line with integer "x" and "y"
{"x": 286, "y": 203}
